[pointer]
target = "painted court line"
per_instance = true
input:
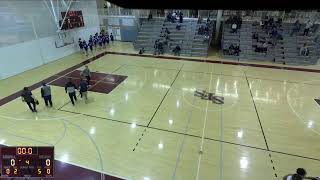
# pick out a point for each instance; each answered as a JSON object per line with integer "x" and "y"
{"x": 220, "y": 62}
{"x": 51, "y": 78}
{"x": 255, "y": 107}
{"x": 195, "y": 136}
{"x": 165, "y": 96}
{"x": 203, "y": 129}
{"x": 183, "y": 142}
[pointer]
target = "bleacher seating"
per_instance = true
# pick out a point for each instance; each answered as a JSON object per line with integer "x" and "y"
{"x": 187, "y": 37}
{"x": 286, "y": 51}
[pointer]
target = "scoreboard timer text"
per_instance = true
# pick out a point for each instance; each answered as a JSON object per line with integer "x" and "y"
{"x": 27, "y": 161}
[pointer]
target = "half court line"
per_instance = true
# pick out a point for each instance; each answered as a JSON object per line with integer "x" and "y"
{"x": 165, "y": 95}
{"x": 255, "y": 107}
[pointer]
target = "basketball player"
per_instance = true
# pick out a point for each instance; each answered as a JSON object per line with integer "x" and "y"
{"x": 107, "y": 38}
{"x": 90, "y": 44}
{"x": 104, "y": 40}
{"x": 111, "y": 38}
{"x": 95, "y": 41}
{"x": 85, "y": 47}
{"x": 80, "y": 45}
{"x": 100, "y": 39}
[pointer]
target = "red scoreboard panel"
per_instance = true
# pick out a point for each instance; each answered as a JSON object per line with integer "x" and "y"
{"x": 74, "y": 19}
{"x": 27, "y": 162}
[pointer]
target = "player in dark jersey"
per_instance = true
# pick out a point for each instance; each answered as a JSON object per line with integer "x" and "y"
{"x": 107, "y": 38}
{"x": 104, "y": 40}
{"x": 100, "y": 41}
{"x": 90, "y": 44}
{"x": 95, "y": 41}
{"x": 80, "y": 45}
{"x": 111, "y": 38}
{"x": 90, "y": 38}
{"x": 85, "y": 47}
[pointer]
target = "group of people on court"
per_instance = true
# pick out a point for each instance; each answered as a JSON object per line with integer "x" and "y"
{"x": 96, "y": 41}
{"x": 70, "y": 88}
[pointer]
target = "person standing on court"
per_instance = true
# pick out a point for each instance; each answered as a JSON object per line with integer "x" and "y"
{"x": 107, "y": 38}
{"x": 87, "y": 74}
{"x": 111, "y": 38}
{"x": 27, "y": 97}
{"x": 70, "y": 88}
{"x": 84, "y": 90}
{"x": 46, "y": 94}
{"x": 90, "y": 44}
{"x": 85, "y": 47}
{"x": 80, "y": 45}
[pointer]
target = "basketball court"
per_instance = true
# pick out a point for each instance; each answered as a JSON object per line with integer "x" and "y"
{"x": 152, "y": 117}
{"x": 143, "y": 120}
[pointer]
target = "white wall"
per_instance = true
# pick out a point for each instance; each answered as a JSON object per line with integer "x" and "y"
{"x": 29, "y": 42}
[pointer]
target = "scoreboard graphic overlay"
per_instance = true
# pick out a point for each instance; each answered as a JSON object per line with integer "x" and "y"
{"x": 27, "y": 162}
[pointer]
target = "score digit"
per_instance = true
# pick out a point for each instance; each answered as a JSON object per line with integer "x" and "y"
{"x": 48, "y": 171}
{"x": 30, "y": 151}
{"x": 13, "y": 162}
{"x": 48, "y": 162}
{"x": 39, "y": 171}
{"x": 15, "y": 171}
{"x": 27, "y": 162}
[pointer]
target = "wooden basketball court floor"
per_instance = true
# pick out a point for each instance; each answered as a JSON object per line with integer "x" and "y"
{"x": 152, "y": 127}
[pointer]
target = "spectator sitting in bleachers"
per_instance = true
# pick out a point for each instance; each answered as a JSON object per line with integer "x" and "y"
{"x": 160, "y": 47}
{"x": 234, "y": 28}
{"x": 238, "y": 22}
{"x": 261, "y": 47}
{"x": 171, "y": 17}
{"x": 208, "y": 20}
{"x": 296, "y": 27}
{"x": 149, "y": 16}
{"x": 167, "y": 38}
{"x": 206, "y": 29}
{"x": 265, "y": 22}
{"x": 177, "y": 50}
{"x": 156, "y": 47}
{"x": 199, "y": 20}
{"x": 279, "y": 22}
{"x": 167, "y": 31}
{"x": 201, "y": 30}
{"x": 233, "y": 50}
{"x": 274, "y": 33}
{"x": 307, "y": 28}
{"x": 255, "y": 36}
{"x": 178, "y": 27}
{"x": 304, "y": 50}
{"x": 180, "y": 17}
{"x": 236, "y": 50}
{"x": 270, "y": 21}
{"x": 206, "y": 38}
{"x": 141, "y": 51}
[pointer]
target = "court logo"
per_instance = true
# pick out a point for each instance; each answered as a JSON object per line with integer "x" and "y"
{"x": 209, "y": 96}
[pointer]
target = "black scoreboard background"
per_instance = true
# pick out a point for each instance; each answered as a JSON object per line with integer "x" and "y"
{"x": 74, "y": 19}
{"x": 27, "y": 162}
